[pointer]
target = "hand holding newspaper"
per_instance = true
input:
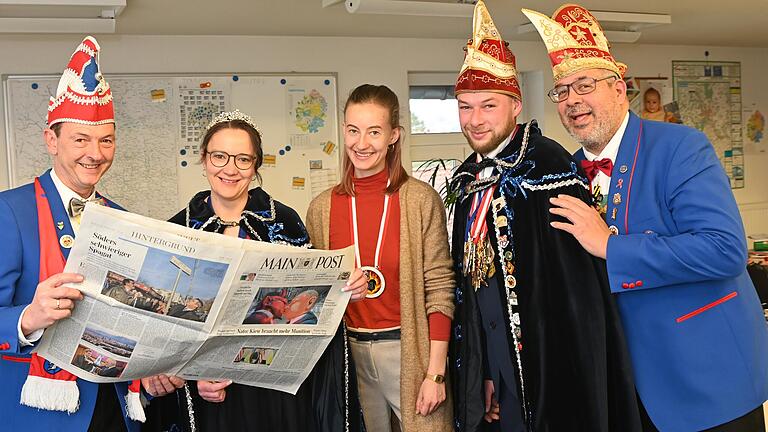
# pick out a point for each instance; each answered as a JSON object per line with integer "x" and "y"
{"x": 161, "y": 298}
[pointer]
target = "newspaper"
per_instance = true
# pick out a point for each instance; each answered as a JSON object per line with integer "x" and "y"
{"x": 162, "y": 298}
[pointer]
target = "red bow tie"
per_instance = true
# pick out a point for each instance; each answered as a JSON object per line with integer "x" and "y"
{"x": 592, "y": 167}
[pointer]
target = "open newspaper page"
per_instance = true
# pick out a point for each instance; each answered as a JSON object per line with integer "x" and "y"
{"x": 280, "y": 316}
{"x": 161, "y": 298}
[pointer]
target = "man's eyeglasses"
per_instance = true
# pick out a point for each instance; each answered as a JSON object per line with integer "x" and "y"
{"x": 582, "y": 86}
{"x": 220, "y": 159}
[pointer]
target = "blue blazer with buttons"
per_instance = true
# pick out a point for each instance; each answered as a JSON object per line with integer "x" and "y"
{"x": 19, "y": 273}
{"x": 694, "y": 324}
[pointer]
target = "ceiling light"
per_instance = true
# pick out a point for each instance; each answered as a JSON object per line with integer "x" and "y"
{"x": 619, "y": 27}
{"x": 59, "y": 16}
{"x": 395, "y": 7}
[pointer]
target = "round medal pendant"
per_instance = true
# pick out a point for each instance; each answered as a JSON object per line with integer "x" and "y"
{"x": 376, "y": 283}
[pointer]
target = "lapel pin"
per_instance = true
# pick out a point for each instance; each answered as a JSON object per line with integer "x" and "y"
{"x": 66, "y": 241}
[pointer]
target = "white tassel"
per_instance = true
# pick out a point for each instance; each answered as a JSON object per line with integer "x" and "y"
{"x": 134, "y": 406}
{"x": 50, "y": 394}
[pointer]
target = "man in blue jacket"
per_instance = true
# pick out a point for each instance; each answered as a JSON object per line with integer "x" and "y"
{"x": 39, "y": 221}
{"x": 668, "y": 225}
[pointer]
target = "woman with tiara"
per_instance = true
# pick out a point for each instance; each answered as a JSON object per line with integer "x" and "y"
{"x": 231, "y": 154}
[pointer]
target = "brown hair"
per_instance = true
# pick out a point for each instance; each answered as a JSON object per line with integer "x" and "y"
{"x": 380, "y": 95}
{"x": 254, "y": 134}
{"x": 56, "y": 128}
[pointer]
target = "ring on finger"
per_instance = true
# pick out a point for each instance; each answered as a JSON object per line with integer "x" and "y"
{"x": 58, "y": 304}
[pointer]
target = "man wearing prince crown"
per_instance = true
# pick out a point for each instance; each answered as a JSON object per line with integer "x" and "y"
{"x": 39, "y": 223}
{"x": 672, "y": 237}
{"x": 537, "y": 344}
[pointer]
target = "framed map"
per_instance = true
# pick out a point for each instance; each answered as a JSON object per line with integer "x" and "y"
{"x": 709, "y": 99}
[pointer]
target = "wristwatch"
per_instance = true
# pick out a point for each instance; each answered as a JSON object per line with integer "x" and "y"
{"x": 436, "y": 378}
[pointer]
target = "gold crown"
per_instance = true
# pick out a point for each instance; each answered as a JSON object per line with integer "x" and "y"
{"x": 228, "y": 116}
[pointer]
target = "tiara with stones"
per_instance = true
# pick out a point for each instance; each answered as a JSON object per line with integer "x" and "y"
{"x": 228, "y": 116}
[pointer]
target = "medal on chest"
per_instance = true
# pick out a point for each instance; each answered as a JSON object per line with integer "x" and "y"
{"x": 598, "y": 200}
{"x": 478, "y": 251}
{"x": 373, "y": 274}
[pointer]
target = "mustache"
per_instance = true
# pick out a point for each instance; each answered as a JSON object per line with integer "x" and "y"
{"x": 577, "y": 110}
{"x": 475, "y": 130}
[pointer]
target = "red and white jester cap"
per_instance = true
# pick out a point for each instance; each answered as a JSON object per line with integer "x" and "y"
{"x": 83, "y": 95}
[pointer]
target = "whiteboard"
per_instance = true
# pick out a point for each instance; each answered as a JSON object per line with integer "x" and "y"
{"x": 160, "y": 119}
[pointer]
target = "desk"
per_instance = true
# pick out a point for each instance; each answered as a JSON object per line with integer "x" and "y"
{"x": 757, "y": 257}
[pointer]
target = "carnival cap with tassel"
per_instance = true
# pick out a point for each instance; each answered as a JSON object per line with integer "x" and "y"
{"x": 83, "y": 95}
{"x": 575, "y": 41}
{"x": 489, "y": 65}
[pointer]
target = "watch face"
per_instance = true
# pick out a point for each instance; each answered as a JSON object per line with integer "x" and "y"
{"x": 437, "y": 378}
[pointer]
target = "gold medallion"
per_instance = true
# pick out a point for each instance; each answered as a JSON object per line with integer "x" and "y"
{"x": 376, "y": 282}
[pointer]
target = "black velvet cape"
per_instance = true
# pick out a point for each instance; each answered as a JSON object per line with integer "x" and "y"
{"x": 576, "y": 367}
{"x": 319, "y": 404}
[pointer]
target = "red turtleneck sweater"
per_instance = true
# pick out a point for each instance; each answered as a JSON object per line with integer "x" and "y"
{"x": 384, "y": 311}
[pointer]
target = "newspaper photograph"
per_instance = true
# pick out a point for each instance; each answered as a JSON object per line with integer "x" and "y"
{"x": 276, "y": 362}
{"x": 282, "y": 294}
{"x": 162, "y": 298}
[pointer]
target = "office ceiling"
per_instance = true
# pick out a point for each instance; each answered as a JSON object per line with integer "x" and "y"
{"x": 694, "y": 22}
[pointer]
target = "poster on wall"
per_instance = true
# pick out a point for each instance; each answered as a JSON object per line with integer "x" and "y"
{"x": 709, "y": 98}
{"x": 652, "y": 99}
{"x": 756, "y": 127}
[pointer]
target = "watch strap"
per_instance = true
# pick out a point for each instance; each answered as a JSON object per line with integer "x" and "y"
{"x": 436, "y": 378}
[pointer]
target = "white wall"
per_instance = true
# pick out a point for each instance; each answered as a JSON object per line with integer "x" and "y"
{"x": 374, "y": 60}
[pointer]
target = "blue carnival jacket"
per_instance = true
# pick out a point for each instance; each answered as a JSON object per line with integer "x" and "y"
{"x": 19, "y": 273}
{"x": 694, "y": 324}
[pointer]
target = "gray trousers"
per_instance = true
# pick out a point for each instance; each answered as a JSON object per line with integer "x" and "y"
{"x": 377, "y": 364}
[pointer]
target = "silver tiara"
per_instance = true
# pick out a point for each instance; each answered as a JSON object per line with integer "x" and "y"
{"x": 232, "y": 115}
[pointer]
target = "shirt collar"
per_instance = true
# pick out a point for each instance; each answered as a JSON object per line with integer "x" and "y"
{"x": 493, "y": 153}
{"x": 612, "y": 149}
{"x": 65, "y": 192}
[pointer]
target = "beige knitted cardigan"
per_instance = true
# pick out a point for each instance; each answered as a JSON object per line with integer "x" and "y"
{"x": 426, "y": 285}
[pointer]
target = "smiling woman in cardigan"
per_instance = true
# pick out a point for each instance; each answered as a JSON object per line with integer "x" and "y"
{"x": 398, "y": 335}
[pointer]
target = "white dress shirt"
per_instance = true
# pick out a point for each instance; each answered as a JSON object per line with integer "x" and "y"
{"x": 610, "y": 151}
{"x": 486, "y": 172}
